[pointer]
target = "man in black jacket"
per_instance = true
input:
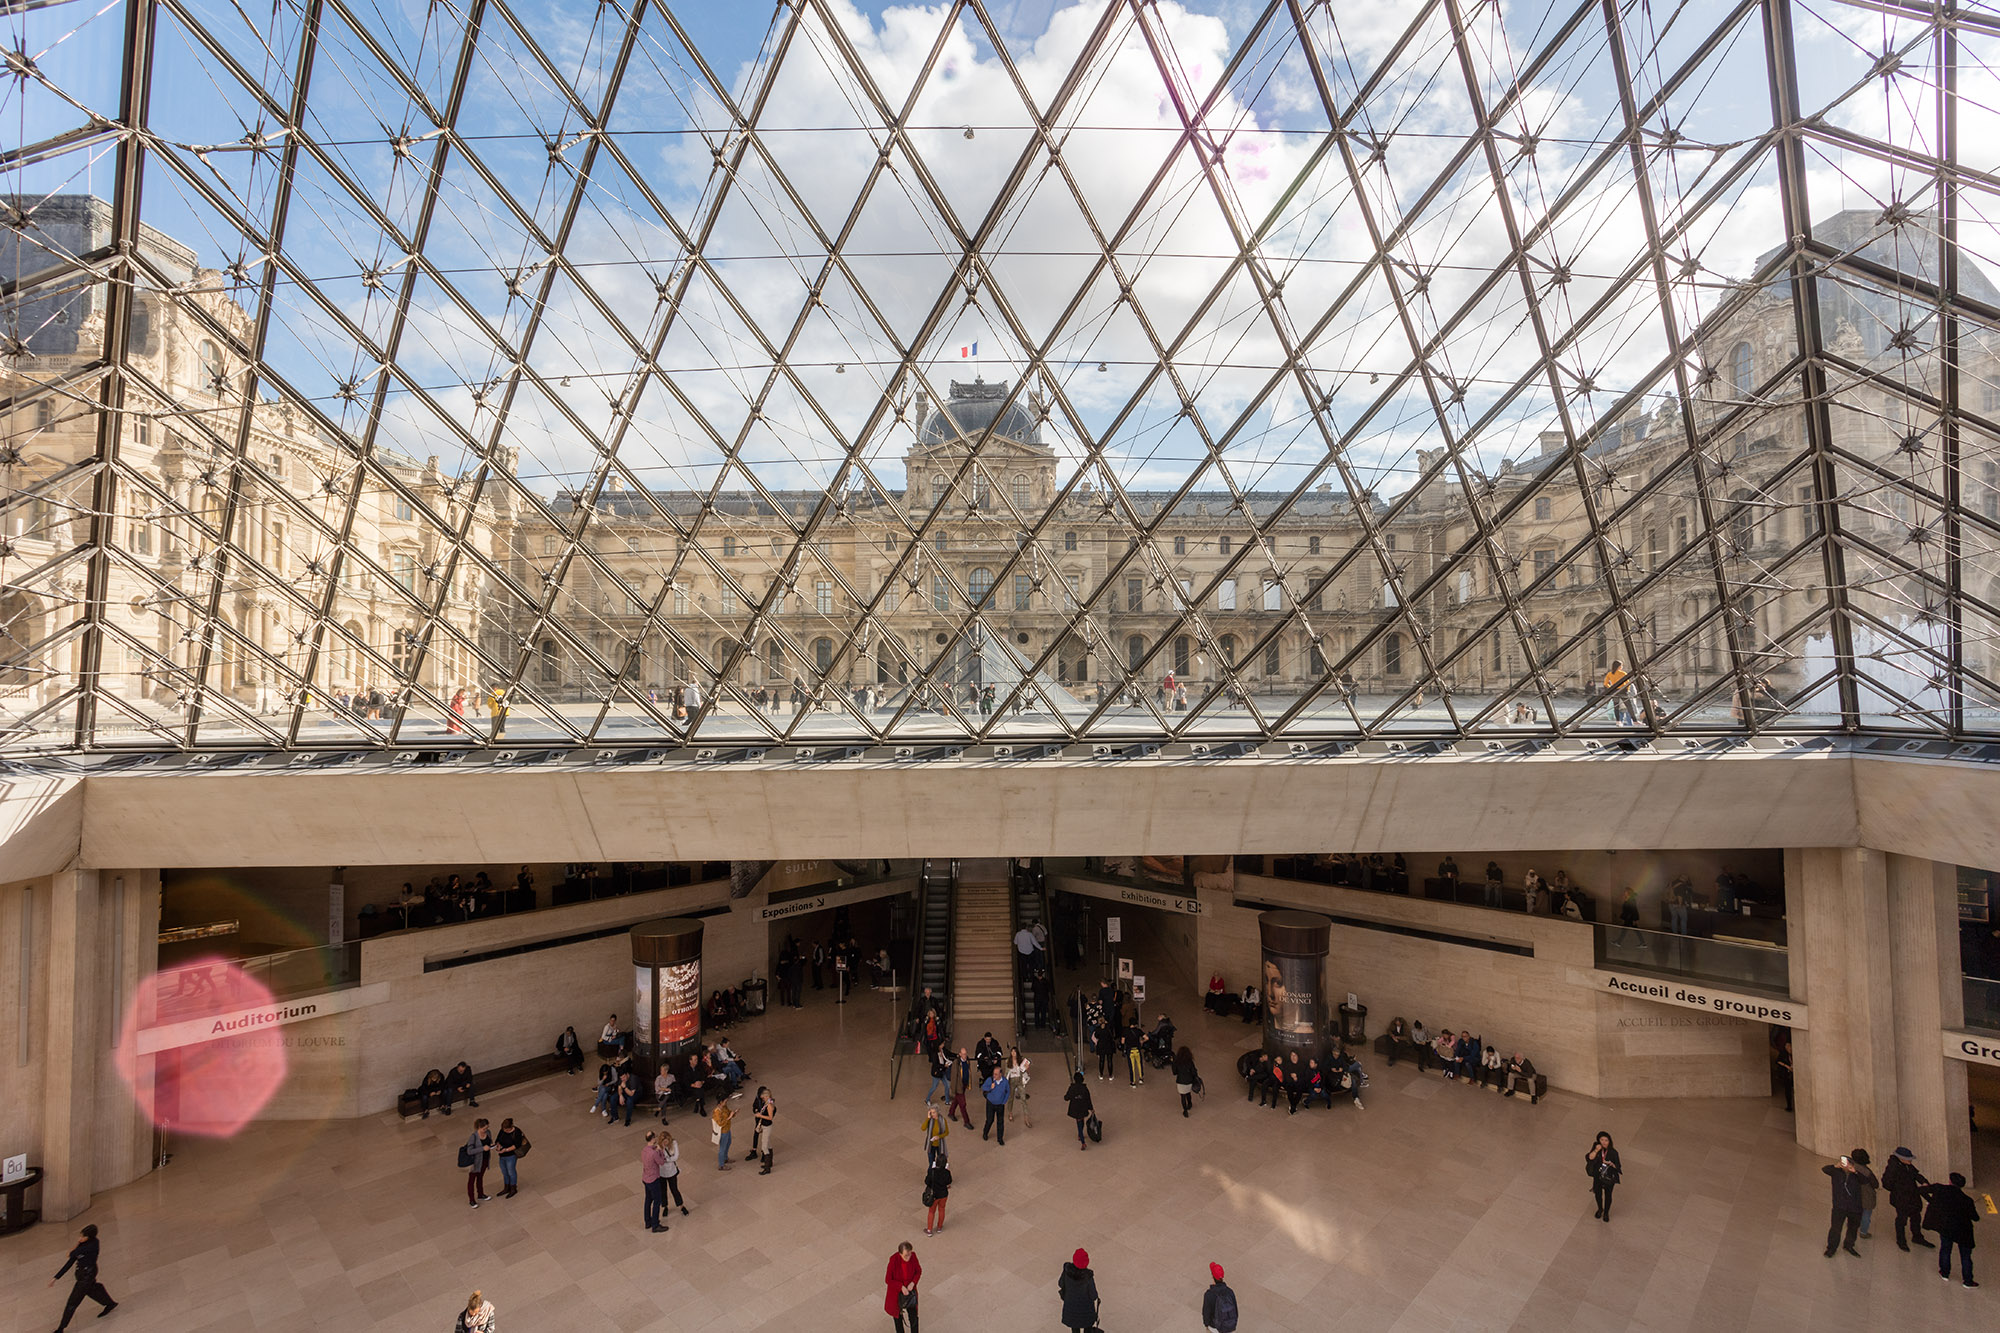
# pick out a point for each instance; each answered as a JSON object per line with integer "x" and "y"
{"x": 1218, "y": 1304}
{"x": 459, "y": 1083}
{"x": 1905, "y": 1185}
{"x": 84, "y": 1259}
{"x": 1952, "y": 1214}
{"x": 1846, "y": 1178}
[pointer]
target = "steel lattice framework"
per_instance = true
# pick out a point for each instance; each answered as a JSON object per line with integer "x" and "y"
{"x": 373, "y": 372}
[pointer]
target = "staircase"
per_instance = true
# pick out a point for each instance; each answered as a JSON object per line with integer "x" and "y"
{"x": 982, "y": 984}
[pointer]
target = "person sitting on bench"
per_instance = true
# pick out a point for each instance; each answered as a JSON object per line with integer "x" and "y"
{"x": 611, "y": 1036}
{"x": 569, "y": 1050}
{"x": 432, "y": 1090}
{"x": 1253, "y": 1006}
{"x": 1520, "y": 1073}
{"x": 459, "y": 1080}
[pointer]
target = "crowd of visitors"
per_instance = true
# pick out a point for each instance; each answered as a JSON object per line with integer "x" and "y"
{"x": 1920, "y": 1206}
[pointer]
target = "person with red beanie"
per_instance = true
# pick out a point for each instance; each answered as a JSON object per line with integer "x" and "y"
{"x": 1218, "y": 1304}
{"x": 1078, "y": 1288}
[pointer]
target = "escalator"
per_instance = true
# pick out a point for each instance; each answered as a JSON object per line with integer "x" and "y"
{"x": 1033, "y": 904}
{"x": 931, "y": 966}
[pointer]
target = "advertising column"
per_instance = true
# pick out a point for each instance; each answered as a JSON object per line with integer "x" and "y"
{"x": 1295, "y": 1009}
{"x": 666, "y": 1002}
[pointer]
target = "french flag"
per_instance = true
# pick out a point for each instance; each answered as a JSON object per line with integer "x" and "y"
{"x": 966, "y": 352}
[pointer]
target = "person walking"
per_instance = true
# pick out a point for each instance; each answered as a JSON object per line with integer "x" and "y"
{"x": 476, "y": 1317}
{"x": 473, "y": 1157}
{"x": 996, "y": 1090}
{"x": 941, "y": 1067}
{"x": 1078, "y": 1288}
{"x": 1905, "y": 1185}
{"x": 510, "y": 1145}
{"x": 903, "y": 1274}
{"x": 651, "y": 1159}
{"x": 935, "y": 1128}
{"x": 83, "y": 1259}
{"x": 1218, "y": 1304}
{"x": 937, "y": 1188}
{"x": 670, "y": 1172}
{"x": 766, "y": 1121}
{"x": 961, "y": 1083}
{"x": 1846, "y": 1180}
{"x": 1017, "y": 1079}
{"x": 719, "y": 1120}
{"x": 1952, "y": 1214}
{"x": 1185, "y": 1078}
{"x": 1869, "y": 1185}
{"x": 1077, "y": 1100}
{"x": 1601, "y": 1162}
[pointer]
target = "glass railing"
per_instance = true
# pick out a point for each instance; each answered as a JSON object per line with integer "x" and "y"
{"x": 473, "y": 904}
{"x": 1982, "y": 1003}
{"x": 1763, "y": 967}
{"x": 196, "y": 989}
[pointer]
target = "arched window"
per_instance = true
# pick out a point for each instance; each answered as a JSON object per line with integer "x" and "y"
{"x": 1743, "y": 522}
{"x": 1183, "y": 654}
{"x": 774, "y": 656}
{"x": 1228, "y": 647}
{"x": 1018, "y": 490}
{"x": 210, "y": 365}
{"x": 551, "y": 673}
{"x": 1318, "y": 660}
{"x": 823, "y": 655}
{"x": 1135, "y": 651}
{"x": 1392, "y": 655}
{"x": 979, "y": 585}
{"x": 1740, "y": 370}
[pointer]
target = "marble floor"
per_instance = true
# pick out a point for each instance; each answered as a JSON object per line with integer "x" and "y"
{"x": 1436, "y": 1207}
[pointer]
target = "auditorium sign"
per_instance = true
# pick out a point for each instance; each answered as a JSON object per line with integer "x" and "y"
{"x": 237, "y": 1022}
{"x": 1734, "y": 1004}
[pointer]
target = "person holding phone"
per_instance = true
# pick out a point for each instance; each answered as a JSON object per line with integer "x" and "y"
{"x": 1847, "y": 1181}
{"x": 1601, "y": 1162}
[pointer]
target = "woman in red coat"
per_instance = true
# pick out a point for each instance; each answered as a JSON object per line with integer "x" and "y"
{"x": 904, "y": 1271}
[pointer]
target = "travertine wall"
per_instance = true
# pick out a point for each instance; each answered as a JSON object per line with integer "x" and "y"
{"x": 1599, "y": 1045}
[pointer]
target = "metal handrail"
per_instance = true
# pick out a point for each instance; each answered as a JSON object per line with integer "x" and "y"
{"x": 1065, "y": 1032}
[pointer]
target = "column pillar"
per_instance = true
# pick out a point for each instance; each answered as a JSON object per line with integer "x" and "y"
{"x": 73, "y": 1048}
{"x": 1873, "y": 945}
{"x": 1923, "y": 952}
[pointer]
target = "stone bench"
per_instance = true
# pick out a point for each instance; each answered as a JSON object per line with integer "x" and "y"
{"x": 489, "y": 1081}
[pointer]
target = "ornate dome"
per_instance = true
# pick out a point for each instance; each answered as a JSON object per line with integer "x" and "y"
{"x": 973, "y": 408}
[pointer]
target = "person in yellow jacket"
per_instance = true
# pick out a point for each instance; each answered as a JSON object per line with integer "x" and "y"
{"x": 935, "y": 1129}
{"x": 1614, "y": 689}
{"x": 496, "y": 708}
{"x": 719, "y": 1131}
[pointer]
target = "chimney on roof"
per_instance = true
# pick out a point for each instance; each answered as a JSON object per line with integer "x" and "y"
{"x": 923, "y": 409}
{"x": 1324, "y": 488}
{"x": 1552, "y": 440}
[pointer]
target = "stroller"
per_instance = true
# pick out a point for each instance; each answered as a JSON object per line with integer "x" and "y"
{"x": 1159, "y": 1044}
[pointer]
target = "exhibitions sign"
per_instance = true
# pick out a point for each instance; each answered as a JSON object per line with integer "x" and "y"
{"x": 1185, "y": 904}
{"x": 1974, "y": 1049}
{"x": 194, "y": 1031}
{"x": 1666, "y": 990}
{"x": 838, "y": 898}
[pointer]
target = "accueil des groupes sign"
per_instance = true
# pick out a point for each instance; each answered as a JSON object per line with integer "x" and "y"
{"x": 1975, "y": 1049}
{"x": 1666, "y": 990}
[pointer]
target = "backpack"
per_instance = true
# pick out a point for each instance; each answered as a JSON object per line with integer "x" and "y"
{"x": 1225, "y": 1310}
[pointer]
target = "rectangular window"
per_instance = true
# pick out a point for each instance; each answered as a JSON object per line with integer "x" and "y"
{"x": 1074, "y": 582}
{"x": 1274, "y": 596}
{"x": 823, "y": 596}
{"x": 1024, "y": 591}
{"x": 1312, "y": 546}
{"x": 1545, "y": 560}
{"x": 680, "y": 599}
{"x": 728, "y": 600}
{"x": 1225, "y": 596}
{"x": 940, "y": 593}
{"x": 404, "y": 510}
{"x": 1543, "y": 507}
{"x": 1135, "y": 595}
{"x": 142, "y": 535}
{"x": 403, "y": 569}
{"x": 1272, "y": 666}
{"x": 551, "y": 544}
{"x": 1180, "y": 546}
{"x": 1680, "y": 532}
{"x": 1069, "y": 541}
